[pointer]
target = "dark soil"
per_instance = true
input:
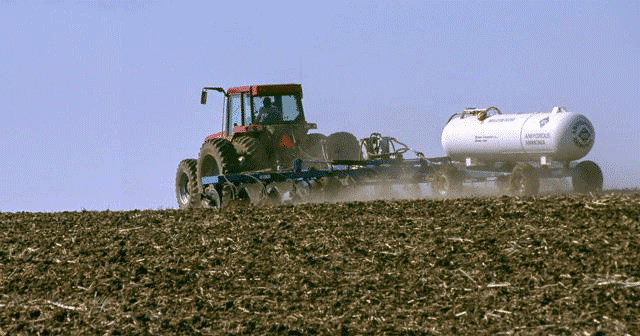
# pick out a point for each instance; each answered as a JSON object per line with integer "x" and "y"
{"x": 563, "y": 265}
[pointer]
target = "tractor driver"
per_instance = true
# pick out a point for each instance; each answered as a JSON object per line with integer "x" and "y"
{"x": 268, "y": 113}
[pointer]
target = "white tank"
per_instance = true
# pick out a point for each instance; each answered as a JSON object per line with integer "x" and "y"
{"x": 480, "y": 135}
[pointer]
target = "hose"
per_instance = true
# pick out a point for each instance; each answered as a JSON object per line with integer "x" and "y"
{"x": 377, "y": 146}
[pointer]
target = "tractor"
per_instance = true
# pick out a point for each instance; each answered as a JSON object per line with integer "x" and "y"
{"x": 263, "y": 129}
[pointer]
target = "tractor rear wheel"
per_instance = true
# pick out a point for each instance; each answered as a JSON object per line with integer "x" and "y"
{"x": 313, "y": 145}
{"x": 187, "y": 190}
{"x": 251, "y": 153}
{"x": 217, "y": 157}
{"x": 524, "y": 180}
{"x": 447, "y": 182}
{"x": 587, "y": 177}
{"x": 342, "y": 146}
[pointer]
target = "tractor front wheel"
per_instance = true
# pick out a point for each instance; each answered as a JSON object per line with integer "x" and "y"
{"x": 187, "y": 190}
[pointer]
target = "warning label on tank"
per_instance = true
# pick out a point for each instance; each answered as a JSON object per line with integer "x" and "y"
{"x": 536, "y": 139}
{"x": 582, "y": 134}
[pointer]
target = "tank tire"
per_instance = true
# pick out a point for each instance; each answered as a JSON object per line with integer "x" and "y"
{"x": 342, "y": 146}
{"x": 187, "y": 190}
{"x": 587, "y": 177}
{"x": 217, "y": 157}
{"x": 447, "y": 182}
{"x": 502, "y": 183}
{"x": 252, "y": 155}
{"x": 313, "y": 145}
{"x": 524, "y": 180}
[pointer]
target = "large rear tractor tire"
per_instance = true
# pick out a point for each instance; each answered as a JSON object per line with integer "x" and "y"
{"x": 217, "y": 157}
{"x": 252, "y": 154}
{"x": 587, "y": 177}
{"x": 447, "y": 182}
{"x": 525, "y": 180}
{"x": 342, "y": 146}
{"x": 313, "y": 146}
{"x": 187, "y": 190}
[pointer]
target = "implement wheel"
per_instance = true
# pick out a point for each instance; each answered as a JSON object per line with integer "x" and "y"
{"x": 217, "y": 157}
{"x": 587, "y": 177}
{"x": 343, "y": 146}
{"x": 211, "y": 198}
{"x": 524, "y": 180}
{"x": 187, "y": 190}
{"x": 447, "y": 182}
{"x": 252, "y": 154}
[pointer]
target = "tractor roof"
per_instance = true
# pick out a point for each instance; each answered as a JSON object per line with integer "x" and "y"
{"x": 267, "y": 89}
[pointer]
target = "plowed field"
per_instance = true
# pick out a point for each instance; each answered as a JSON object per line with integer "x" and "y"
{"x": 563, "y": 265}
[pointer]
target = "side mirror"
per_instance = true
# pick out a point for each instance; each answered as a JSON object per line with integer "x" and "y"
{"x": 203, "y": 97}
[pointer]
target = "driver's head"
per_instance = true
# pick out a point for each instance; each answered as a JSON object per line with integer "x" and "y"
{"x": 266, "y": 101}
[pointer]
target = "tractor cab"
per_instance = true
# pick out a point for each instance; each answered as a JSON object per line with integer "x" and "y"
{"x": 249, "y": 107}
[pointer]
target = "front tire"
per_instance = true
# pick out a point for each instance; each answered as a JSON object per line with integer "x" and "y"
{"x": 187, "y": 190}
{"x": 211, "y": 199}
{"x": 587, "y": 177}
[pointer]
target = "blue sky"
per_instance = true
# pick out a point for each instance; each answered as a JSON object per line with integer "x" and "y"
{"x": 99, "y": 100}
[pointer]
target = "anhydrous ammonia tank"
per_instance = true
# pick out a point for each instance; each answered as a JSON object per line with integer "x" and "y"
{"x": 490, "y": 136}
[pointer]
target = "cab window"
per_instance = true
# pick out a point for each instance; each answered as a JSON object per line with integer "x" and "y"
{"x": 246, "y": 100}
{"x": 235, "y": 113}
{"x": 288, "y": 106}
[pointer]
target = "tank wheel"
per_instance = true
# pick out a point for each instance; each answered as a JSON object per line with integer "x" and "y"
{"x": 342, "y": 146}
{"x": 211, "y": 198}
{"x": 313, "y": 145}
{"x": 252, "y": 154}
{"x": 217, "y": 157}
{"x": 447, "y": 182}
{"x": 587, "y": 177}
{"x": 524, "y": 180}
{"x": 187, "y": 190}
{"x": 502, "y": 183}
{"x": 412, "y": 191}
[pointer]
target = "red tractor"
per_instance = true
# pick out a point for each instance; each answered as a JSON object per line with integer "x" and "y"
{"x": 264, "y": 128}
